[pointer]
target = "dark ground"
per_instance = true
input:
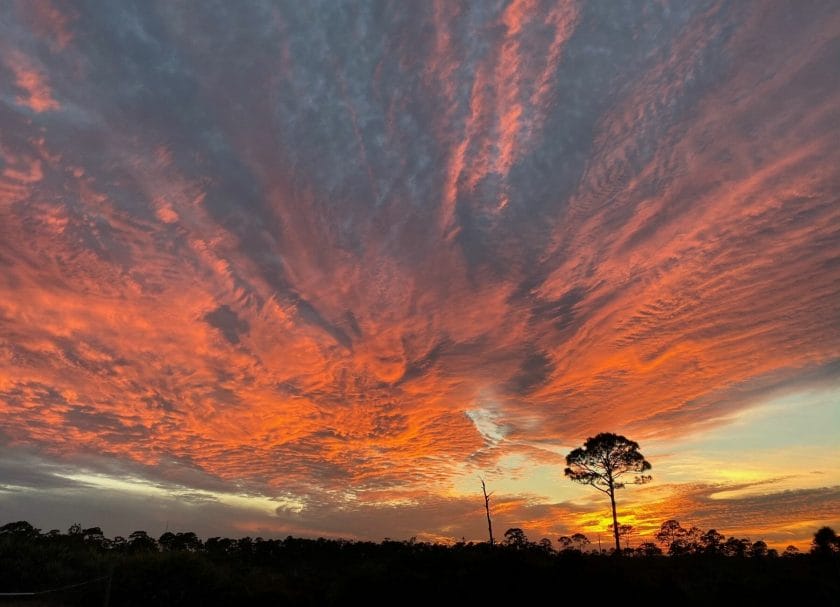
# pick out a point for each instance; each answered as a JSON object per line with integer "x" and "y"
{"x": 327, "y": 572}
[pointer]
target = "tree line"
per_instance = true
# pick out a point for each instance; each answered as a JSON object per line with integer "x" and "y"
{"x": 675, "y": 540}
{"x": 671, "y": 539}
{"x": 84, "y": 567}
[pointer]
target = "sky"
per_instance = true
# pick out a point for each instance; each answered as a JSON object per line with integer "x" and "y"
{"x": 314, "y": 268}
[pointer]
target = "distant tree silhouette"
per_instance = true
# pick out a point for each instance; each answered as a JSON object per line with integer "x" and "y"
{"x": 678, "y": 540}
{"x": 758, "y": 549}
{"x": 20, "y": 529}
{"x": 624, "y": 531}
{"x": 565, "y": 543}
{"x": 825, "y": 541}
{"x": 545, "y": 545}
{"x": 93, "y": 535}
{"x": 580, "y": 540}
{"x": 602, "y": 461}
{"x": 690, "y": 542}
{"x": 576, "y": 542}
{"x": 167, "y": 541}
{"x": 791, "y": 551}
{"x": 711, "y": 541}
{"x": 736, "y": 547}
{"x": 516, "y": 538}
{"x": 119, "y": 543}
{"x": 648, "y": 549}
{"x": 179, "y": 541}
{"x": 669, "y": 532}
{"x": 140, "y": 541}
{"x": 189, "y": 541}
{"x": 487, "y": 510}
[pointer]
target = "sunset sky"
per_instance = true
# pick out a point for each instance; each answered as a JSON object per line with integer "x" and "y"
{"x": 313, "y": 268}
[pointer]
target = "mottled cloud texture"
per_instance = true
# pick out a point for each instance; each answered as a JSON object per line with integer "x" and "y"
{"x": 342, "y": 254}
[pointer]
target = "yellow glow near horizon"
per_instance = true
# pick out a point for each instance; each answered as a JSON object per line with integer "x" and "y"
{"x": 130, "y": 485}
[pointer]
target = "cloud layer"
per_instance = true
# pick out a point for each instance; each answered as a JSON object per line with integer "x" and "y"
{"x": 349, "y": 252}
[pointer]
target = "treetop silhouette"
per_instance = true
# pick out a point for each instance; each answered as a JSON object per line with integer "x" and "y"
{"x": 602, "y": 462}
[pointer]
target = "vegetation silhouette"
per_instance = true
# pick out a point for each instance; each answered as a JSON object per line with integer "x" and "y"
{"x": 516, "y": 538}
{"x": 84, "y": 567}
{"x": 624, "y": 531}
{"x": 826, "y": 541}
{"x": 602, "y": 462}
{"x": 577, "y": 542}
{"x": 178, "y": 568}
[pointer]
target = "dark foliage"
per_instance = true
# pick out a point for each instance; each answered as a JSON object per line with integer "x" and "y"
{"x": 181, "y": 570}
{"x": 603, "y": 463}
{"x": 826, "y": 542}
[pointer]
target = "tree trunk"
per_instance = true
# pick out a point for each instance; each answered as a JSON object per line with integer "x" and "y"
{"x": 487, "y": 509}
{"x": 489, "y": 524}
{"x": 615, "y": 520}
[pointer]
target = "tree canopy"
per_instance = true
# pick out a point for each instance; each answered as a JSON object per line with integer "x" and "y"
{"x": 604, "y": 459}
{"x": 603, "y": 462}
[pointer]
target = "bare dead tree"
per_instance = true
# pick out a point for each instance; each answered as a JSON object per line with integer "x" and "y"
{"x": 487, "y": 510}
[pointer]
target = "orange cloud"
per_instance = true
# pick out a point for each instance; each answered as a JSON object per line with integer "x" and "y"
{"x": 508, "y": 98}
{"x": 37, "y": 96}
{"x": 49, "y": 22}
